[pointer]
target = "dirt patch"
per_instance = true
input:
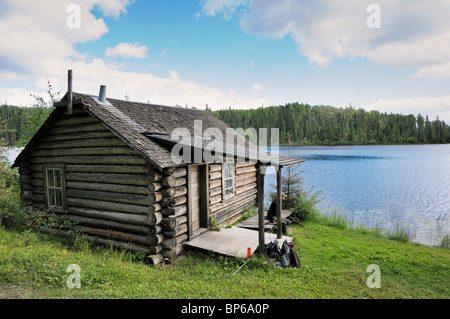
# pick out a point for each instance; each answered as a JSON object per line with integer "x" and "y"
{"x": 14, "y": 291}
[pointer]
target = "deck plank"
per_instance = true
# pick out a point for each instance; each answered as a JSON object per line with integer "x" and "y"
{"x": 232, "y": 241}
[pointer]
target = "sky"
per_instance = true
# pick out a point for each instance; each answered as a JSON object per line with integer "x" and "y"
{"x": 385, "y": 55}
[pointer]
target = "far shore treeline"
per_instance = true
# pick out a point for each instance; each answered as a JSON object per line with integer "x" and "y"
{"x": 302, "y": 123}
{"x": 327, "y": 125}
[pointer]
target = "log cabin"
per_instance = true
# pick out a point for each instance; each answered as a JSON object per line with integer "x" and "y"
{"x": 110, "y": 166}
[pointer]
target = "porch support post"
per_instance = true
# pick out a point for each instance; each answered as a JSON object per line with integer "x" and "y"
{"x": 279, "y": 204}
{"x": 261, "y": 173}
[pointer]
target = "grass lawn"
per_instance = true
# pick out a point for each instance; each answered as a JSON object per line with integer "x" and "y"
{"x": 334, "y": 258}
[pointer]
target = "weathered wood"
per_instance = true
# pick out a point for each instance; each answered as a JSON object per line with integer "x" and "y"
{"x": 117, "y": 188}
{"x": 244, "y": 164}
{"x": 75, "y": 120}
{"x": 235, "y": 199}
{"x": 170, "y": 243}
{"x": 238, "y": 205}
{"x": 215, "y": 183}
{"x": 78, "y": 136}
{"x": 242, "y": 177}
{"x": 37, "y": 182}
{"x": 178, "y": 230}
{"x": 111, "y": 178}
{"x": 245, "y": 170}
{"x": 245, "y": 182}
{"x": 37, "y": 198}
{"x": 154, "y": 259}
{"x": 24, "y": 171}
{"x": 25, "y": 179}
{"x": 172, "y": 222}
{"x": 215, "y": 199}
{"x": 233, "y": 212}
{"x": 215, "y": 168}
{"x": 215, "y": 191}
{"x": 154, "y": 176}
{"x": 179, "y": 172}
{"x": 155, "y": 249}
{"x": 102, "y": 241}
{"x": 93, "y": 142}
{"x": 174, "y": 191}
{"x": 240, "y": 190}
{"x": 174, "y": 210}
{"x": 136, "y": 219}
{"x": 113, "y": 197}
{"x": 128, "y": 169}
{"x": 26, "y": 194}
{"x": 112, "y": 206}
{"x": 92, "y": 159}
{"x": 168, "y": 201}
{"x": 215, "y": 175}
{"x": 154, "y": 187}
{"x": 171, "y": 181}
{"x": 172, "y": 253}
{"x": 85, "y": 151}
{"x": 78, "y": 129}
{"x": 103, "y": 223}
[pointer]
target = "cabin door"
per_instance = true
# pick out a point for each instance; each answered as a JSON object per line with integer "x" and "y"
{"x": 197, "y": 191}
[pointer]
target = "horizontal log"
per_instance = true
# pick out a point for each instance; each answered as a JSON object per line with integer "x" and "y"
{"x": 242, "y": 204}
{"x": 154, "y": 259}
{"x": 128, "y": 218}
{"x": 215, "y": 199}
{"x": 37, "y": 198}
{"x": 216, "y": 183}
{"x": 174, "y": 211}
{"x": 154, "y": 175}
{"x": 170, "y": 243}
{"x": 174, "y": 191}
{"x": 111, "y": 206}
{"x": 215, "y": 191}
{"x": 24, "y": 171}
{"x": 117, "y": 150}
{"x": 171, "y": 181}
{"x": 233, "y": 214}
{"x": 128, "y": 169}
{"x": 113, "y": 197}
{"x": 245, "y": 188}
{"x": 215, "y": 175}
{"x": 92, "y": 142}
{"x": 109, "y": 224}
{"x": 168, "y": 201}
{"x": 112, "y": 178}
{"x": 118, "y": 235}
{"x": 37, "y": 182}
{"x": 172, "y": 222}
{"x": 231, "y": 201}
{"x": 215, "y": 168}
{"x": 174, "y": 252}
{"x": 78, "y": 129}
{"x": 155, "y": 249}
{"x": 179, "y": 172}
{"x": 78, "y": 136}
{"x": 154, "y": 187}
{"x": 25, "y": 179}
{"x": 75, "y": 120}
{"x": 117, "y": 188}
{"x": 245, "y": 182}
{"x": 245, "y": 170}
{"x": 98, "y": 240}
{"x": 239, "y": 178}
{"x": 177, "y": 231}
{"x": 244, "y": 164}
{"x": 26, "y": 194}
{"x": 92, "y": 159}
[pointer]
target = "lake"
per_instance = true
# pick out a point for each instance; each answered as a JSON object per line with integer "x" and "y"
{"x": 405, "y": 186}
{"x": 385, "y": 186}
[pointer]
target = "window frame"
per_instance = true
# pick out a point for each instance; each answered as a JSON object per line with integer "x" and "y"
{"x": 226, "y": 196}
{"x": 47, "y": 188}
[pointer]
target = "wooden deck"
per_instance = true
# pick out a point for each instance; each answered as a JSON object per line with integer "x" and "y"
{"x": 252, "y": 222}
{"x": 232, "y": 241}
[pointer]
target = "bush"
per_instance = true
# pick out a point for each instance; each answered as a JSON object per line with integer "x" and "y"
{"x": 304, "y": 206}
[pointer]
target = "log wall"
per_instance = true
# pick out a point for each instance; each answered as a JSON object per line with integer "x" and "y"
{"x": 112, "y": 193}
{"x": 245, "y": 191}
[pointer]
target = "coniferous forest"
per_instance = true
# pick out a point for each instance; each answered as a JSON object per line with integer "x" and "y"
{"x": 306, "y": 124}
{"x": 326, "y": 125}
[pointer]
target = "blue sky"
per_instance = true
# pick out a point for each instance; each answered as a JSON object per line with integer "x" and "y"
{"x": 238, "y": 53}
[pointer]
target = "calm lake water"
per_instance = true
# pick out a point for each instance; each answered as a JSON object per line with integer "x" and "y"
{"x": 405, "y": 186}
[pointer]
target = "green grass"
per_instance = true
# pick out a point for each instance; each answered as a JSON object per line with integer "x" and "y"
{"x": 334, "y": 258}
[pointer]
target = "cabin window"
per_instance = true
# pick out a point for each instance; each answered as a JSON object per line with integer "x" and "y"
{"x": 55, "y": 187}
{"x": 228, "y": 179}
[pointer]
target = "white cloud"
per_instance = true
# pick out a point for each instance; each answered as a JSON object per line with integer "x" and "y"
{"x": 413, "y": 34}
{"x": 258, "y": 87}
{"x": 127, "y": 51}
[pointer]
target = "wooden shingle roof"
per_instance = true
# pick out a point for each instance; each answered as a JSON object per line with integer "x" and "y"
{"x": 147, "y": 128}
